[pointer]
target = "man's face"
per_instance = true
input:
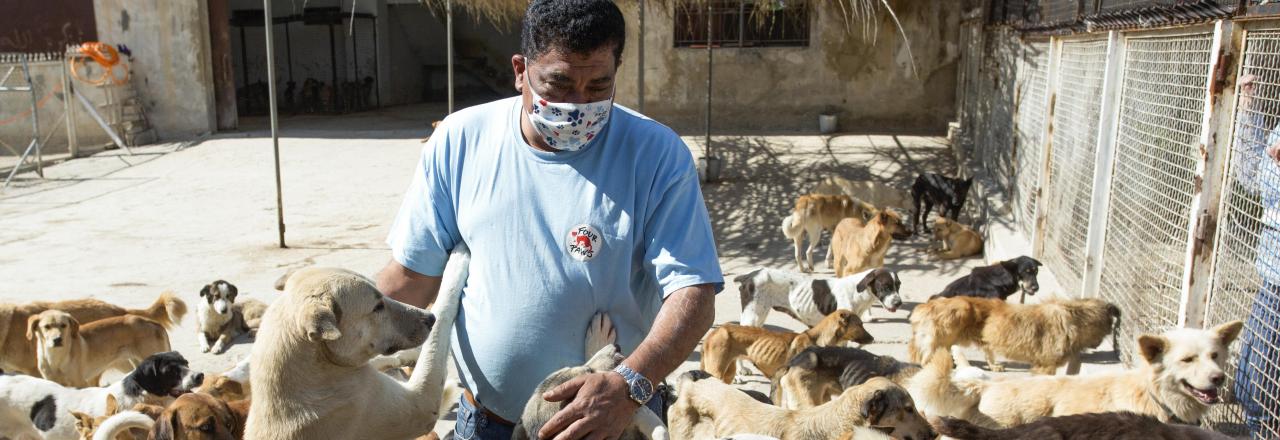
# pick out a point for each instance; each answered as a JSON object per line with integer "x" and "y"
{"x": 566, "y": 77}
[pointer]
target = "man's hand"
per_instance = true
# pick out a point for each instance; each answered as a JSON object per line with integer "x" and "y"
{"x": 600, "y": 408}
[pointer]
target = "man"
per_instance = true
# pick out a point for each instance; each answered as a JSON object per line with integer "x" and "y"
{"x": 571, "y": 205}
{"x": 1257, "y": 170}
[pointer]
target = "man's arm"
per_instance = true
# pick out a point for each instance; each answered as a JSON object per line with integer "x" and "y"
{"x": 409, "y": 287}
{"x": 601, "y": 406}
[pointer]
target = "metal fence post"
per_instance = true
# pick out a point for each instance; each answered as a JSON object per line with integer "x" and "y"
{"x": 1101, "y": 199}
{"x": 1042, "y": 202}
{"x": 1215, "y": 148}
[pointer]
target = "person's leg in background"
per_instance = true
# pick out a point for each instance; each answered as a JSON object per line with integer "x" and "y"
{"x": 1257, "y": 386}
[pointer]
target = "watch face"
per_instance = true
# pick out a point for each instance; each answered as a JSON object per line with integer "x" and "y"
{"x": 641, "y": 389}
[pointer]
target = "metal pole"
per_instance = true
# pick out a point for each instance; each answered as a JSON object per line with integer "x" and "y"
{"x": 333, "y": 71}
{"x": 448, "y": 30}
{"x": 288, "y": 48}
{"x": 275, "y": 124}
{"x": 68, "y": 111}
{"x": 377, "y": 77}
{"x": 707, "y": 152}
{"x": 35, "y": 116}
{"x": 640, "y": 70}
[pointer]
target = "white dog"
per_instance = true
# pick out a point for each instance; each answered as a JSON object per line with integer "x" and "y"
{"x": 310, "y": 371}
{"x": 808, "y": 300}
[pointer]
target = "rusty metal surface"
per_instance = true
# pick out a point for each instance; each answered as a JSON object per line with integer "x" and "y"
{"x": 46, "y": 25}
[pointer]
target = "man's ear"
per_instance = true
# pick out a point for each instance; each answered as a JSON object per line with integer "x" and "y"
{"x": 1152, "y": 347}
{"x": 321, "y": 320}
{"x": 33, "y": 326}
{"x": 1228, "y": 332}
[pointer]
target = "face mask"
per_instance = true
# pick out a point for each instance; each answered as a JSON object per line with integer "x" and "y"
{"x": 565, "y": 126}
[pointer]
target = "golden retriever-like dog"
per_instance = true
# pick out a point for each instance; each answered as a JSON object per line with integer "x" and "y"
{"x": 1179, "y": 377}
{"x": 310, "y": 372}
{"x": 769, "y": 350}
{"x": 1045, "y": 335}
{"x": 875, "y": 193}
{"x": 76, "y": 355}
{"x": 857, "y": 246}
{"x": 814, "y": 213}
{"x": 956, "y": 240}
{"x": 20, "y": 352}
{"x": 711, "y": 409}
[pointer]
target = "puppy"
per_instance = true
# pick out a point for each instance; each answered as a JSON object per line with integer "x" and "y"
{"x": 316, "y": 341}
{"x": 875, "y": 193}
{"x": 220, "y": 319}
{"x": 31, "y": 407}
{"x": 76, "y": 356}
{"x": 957, "y": 240}
{"x": 1045, "y": 335}
{"x": 1000, "y": 280}
{"x": 935, "y": 189}
{"x": 858, "y": 246}
{"x": 818, "y": 374}
{"x": 231, "y": 385}
{"x": 199, "y": 416}
{"x": 769, "y": 350}
{"x": 711, "y": 409}
{"x": 1178, "y": 379}
{"x": 809, "y": 300}
{"x": 86, "y": 424}
{"x": 814, "y": 213}
{"x": 537, "y": 412}
{"x": 20, "y": 352}
{"x": 1094, "y": 426}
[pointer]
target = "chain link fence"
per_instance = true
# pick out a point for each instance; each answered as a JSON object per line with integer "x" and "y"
{"x": 1033, "y": 87}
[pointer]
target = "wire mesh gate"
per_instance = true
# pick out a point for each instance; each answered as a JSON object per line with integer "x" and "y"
{"x": 1033, "y": 86}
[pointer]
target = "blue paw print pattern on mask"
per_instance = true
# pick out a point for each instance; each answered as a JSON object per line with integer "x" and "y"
{"x": 568, "y": 126}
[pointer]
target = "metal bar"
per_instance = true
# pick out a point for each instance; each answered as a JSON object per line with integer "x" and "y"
{"x": 377, "y": 75}
{"x": 275, "y": 124}
{"x": 68, "y": 112}
{"x": 288, "y": 49}
{"x": 333, "y": 72}
{"x": 355, "y": 54}
{"x": 640, "y": 69}
{"x": 244, "y": 62}
{"x": 35, "y": 117}
{"x": 1107, "y": 124}
{"x": 448, "y": 42}
{"x": 1046, "y": 155}
{"x": 30, "y": 146}
{"x": 84, "y": 102}
{"x": 742, "y": 23}
{"x": 707, "y": 151}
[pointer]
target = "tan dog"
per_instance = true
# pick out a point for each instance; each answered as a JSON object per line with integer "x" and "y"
{"x": 858, "y": 246}
{"x": 875, "y": 193}
{"x": 1179, "y": 378}
{"x": 957, "y": 240}
{"x": 20, "y": 352}
{"x": 710, "y": 409}
{"x": 769, "y": 350}
{"x": 87, "y": 425}
{"x": 76, "y": 355}
{"x": 815, "y": 213}
{"x": 198, "y": 416}
{"x": 818, "y": 374}
{"x": 1045, "y": 335}
{"x": 316, "y": 341}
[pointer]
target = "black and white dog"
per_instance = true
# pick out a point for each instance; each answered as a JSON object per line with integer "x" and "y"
{"x": 999, "y": 280}
{"x": 808, "y": 300}
{"x": 935, "y": 189}
{"x": 34, "y": 408}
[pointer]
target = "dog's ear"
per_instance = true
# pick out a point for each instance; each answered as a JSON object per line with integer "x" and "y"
{"x": 1228, "y": 332}
{"x": 113, "y": 407}
{"x": 163, "y": 429}
{"x": 862, "y": 285}
{"x": 83, "y": 421}
{"x": 321, "y": 320}
{"x": 232, "y": 291}
{"x": 875, "y": 407}
{"x": 33, "y": 326}
{"x": 284, "y": 279}
{"x": 205, "y": 290}
{"x": 73, "y": 330}
{"x": 1152, "y": 347}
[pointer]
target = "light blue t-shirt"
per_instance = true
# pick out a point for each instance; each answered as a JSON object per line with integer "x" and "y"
{"x": 554, "y": 237}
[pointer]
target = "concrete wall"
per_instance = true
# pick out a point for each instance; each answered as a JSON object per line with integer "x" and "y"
{"x": 15, "y": 119}
{"x": 171, "y": 66}
{"x": 869, "y": 81}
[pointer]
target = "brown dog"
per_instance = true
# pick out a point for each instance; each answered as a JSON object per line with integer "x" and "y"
{"x": 814, "y": 213}
{"x": 1045, "y": 335}
{"x": 20, "y": 352}
{"x": 858, "y": 246}
{"x": 818, "y": 374}
{"x": 198, "y": 416}
{"x": 769, "y": 350}
{"x": 957, "y": 240}
{"x": 76, "y": 355}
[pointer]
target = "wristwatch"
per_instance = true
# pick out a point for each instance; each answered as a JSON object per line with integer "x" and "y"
{"x": 639, "y": 388}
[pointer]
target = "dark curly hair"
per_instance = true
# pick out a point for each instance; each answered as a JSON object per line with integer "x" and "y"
{"x": 573, "y": 26}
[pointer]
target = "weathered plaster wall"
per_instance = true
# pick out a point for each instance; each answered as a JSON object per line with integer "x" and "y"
{"x": 171, "y": 66}
{"x": 868, "y": 81}
{"x": 15, "y": 117}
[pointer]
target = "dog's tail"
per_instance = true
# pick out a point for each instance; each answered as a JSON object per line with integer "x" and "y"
{"x": 791, "y": 227}
{"x": 121, "y": 423}
{"x": 963, "y": 430}
{"x": 284, "y": 278}
{"x": 747, "y": 286}
{"x": 167, "y": 310}
{"x": 1114, "y": 311}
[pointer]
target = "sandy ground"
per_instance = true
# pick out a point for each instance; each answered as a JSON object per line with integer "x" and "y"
{"x": 177, "y": 216}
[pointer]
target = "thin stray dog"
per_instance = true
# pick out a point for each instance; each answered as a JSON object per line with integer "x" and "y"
{"x": 1092, "y": 426}
{"x": 818, "y": 374}
{"x": 875, "y": 193}
{"x": 814, "y": 213}
{"x": 712, "y": 409}
{"x": 1045, "y": 335}
{"x": 809, "y": 300}
{"x": 858, "y": 246}
{"x": 76, "y": 355}
{"x": 957, "y": 240}
{"x": 769, "y": 350}
{"x": 1000, "y": 280}
{"x": 1177, "y": 380}
{"x": 316, "y": 341}
{"x": 935, "y": 189}
{"x": 220, "y": 319}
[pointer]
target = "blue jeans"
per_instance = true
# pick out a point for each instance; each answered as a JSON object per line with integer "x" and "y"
{"x": 472, "y": 423}
{"x": 1257, "y": 386}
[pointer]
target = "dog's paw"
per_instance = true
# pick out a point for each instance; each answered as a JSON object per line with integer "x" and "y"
{"x": 600, "y": 333}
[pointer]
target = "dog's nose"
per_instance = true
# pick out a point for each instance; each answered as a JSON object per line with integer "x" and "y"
{"x": 429, "y": 321}
{"x": 1218, "y": 379}
{"x": 199, "y": 377}
{"x": 57, "y": 341}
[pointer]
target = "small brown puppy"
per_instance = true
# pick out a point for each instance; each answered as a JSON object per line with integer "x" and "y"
{"x": 858, "y": 246}
{"x": 198, "y": 416}
{"x": 76, "y": 356}
{"x": 957, "y": 240}
{"x": 769, "y": 350}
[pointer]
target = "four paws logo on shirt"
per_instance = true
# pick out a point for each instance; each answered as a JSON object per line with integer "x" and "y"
{"x": 583, "y": 242}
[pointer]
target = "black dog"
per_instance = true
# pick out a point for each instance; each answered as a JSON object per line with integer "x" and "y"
{"x": 935, "y": 189}
{"x": 998, "y": 280}
{"x": 1095, "y": 426}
